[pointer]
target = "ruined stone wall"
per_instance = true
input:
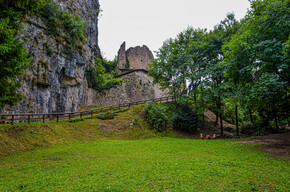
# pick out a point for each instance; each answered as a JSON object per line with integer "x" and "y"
{"x": 56, "y": 79}
{"x": 138, "y": 57}
{"x": 122, "y": 58}
{"x": 135, "y": 86}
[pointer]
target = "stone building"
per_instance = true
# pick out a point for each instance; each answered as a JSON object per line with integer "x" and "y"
{"x": 136, "y": 84}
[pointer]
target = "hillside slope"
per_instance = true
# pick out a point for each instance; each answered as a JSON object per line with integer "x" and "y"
{"x": 126, "y": 125}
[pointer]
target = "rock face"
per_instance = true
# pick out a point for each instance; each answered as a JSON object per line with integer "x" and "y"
{"x": 56, "y": 79}
{"x": 138, "y": 57}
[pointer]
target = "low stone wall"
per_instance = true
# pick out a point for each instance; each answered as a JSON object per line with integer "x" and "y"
{"x": 134, "y": 87}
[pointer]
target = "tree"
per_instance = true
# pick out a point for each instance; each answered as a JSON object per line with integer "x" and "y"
{"x": 257, "y": 58}
{"x": 13, "y": 61}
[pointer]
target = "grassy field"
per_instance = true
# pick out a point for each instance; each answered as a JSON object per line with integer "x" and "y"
{"x": 124, "y": 154}
{"x": 159, "y": 164}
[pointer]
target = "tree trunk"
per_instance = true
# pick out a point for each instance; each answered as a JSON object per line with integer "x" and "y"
{"x": 287, "y": 115}
{"x": 237, "y": 121}
{"x": 251, "y": 116}
{"x": 276, "y": 123}
{"x": 221, "y": 124}
{"x": 221, "y": 116}
{"x": 216, "y": 113}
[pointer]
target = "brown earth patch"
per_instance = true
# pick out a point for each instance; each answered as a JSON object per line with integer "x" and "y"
{"x": 278, "y": 145}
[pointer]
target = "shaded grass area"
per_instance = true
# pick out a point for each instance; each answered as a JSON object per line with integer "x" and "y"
{"x": 158, "y": 164}
{"x": 125, "y": 125}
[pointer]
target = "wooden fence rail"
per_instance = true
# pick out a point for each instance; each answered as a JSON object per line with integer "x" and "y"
{"x": 32, "y": 117}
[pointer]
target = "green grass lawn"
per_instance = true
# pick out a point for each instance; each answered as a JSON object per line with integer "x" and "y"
{"x": 158, "y": 164}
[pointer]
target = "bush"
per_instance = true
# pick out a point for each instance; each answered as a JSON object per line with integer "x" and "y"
{"x": 98, "y": 79}
{"x": 155, "y": 115}
{"x": 105, "y": 116}
{"x": 185, "y": 119}
{"x": 252, "y": 129}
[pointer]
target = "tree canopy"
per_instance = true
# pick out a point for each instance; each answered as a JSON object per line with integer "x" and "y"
{"x": 244, "y": 63}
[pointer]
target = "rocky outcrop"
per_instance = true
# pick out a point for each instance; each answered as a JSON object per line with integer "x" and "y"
{"x": 138, "y": 57}
{"x": 56, "y": 79}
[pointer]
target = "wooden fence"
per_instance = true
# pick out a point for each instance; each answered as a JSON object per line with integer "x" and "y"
{"x": 32, "y": 117}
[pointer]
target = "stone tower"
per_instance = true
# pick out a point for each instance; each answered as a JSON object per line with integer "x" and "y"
{"x": 138, "y": 57}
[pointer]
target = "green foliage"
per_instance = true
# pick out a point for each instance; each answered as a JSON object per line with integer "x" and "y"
{"x": 254, "y": 129}
{"x": 59, "y": 21}
{"x": 13, "y": 61}
{"x": 110, "y": 65}
{"x": 155, "y": 115}
{"x": 97, "y": 77}
{"x": 257, "y": 59}
{"x": 127, "y": 65}
{"x": 105, "y": 116}
{"x": 13, "y": 57}
{"x": 23, "y": 6}
{"x": 185, "y": 119}
{"x": 243, "y": 64}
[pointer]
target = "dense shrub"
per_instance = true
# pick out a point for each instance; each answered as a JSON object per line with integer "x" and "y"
{"x": 97, "y": 77}
{"x": 252, "y": 129}
{"x": 105, "y": 116}
{"x": 185, "y": 119}
{"x": 155, "y": 115}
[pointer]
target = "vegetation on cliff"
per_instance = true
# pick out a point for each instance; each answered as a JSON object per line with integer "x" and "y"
{"x": 13, "y": 57}
{"x": 68, "y": 29}
{"x": 101, "y": 76}
{"x": 239, "y": 68}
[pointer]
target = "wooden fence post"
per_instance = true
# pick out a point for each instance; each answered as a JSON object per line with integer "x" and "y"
{"x": 81, "y": 115}
{"x": 43, "y": 118}
{"x": 69, "y": 116}
{"x": 57, "y": 117}
{"x": 28, "y": 119}
{"x": 12, "y": 120}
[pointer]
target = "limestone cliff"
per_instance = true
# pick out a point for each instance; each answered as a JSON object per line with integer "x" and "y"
{"x": 56, "y": 79}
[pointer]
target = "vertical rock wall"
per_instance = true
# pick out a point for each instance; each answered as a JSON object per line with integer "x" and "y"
{"x": 56, "y": 79}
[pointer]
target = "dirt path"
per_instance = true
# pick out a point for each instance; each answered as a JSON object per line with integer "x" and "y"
{"x": 277, "y": 145}
{"x": 212, "y": 117}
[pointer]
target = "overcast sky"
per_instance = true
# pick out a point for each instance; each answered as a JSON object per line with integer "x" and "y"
{"x": 150, "y": 22}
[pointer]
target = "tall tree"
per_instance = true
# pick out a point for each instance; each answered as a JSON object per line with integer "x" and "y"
{"x": 13, "y": 61}
{"x": 258, "y": 57}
